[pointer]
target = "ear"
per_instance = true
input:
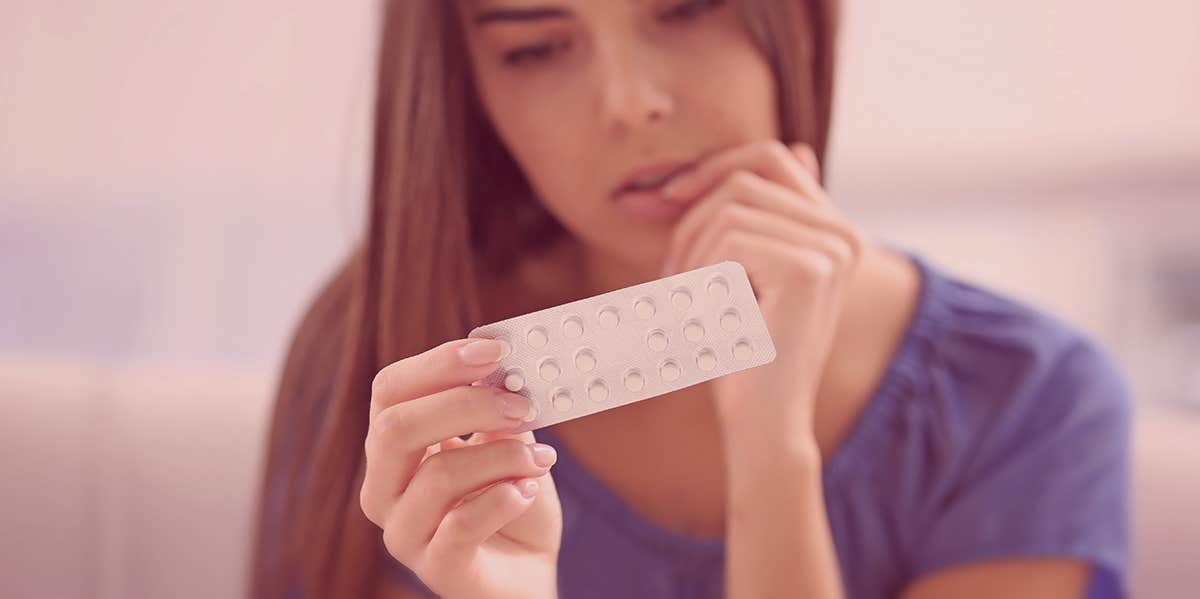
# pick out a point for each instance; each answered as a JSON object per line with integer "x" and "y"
{"x": 807, "y": 157}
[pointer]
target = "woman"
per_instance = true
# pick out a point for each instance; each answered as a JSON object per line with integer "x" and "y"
{"x": 915, "y": 437}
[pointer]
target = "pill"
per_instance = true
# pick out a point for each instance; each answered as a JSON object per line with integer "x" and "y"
{"x": 631, "y": 344}
{"x": 730, "y": 321}
{"x": 669, "y": 371}
{"x": 634, "y": 381}
{"x": 514, "y": 382}
{"x": 573, "y": 328}
{"x": 561, "y": 400}
{"x": 537, "y": 338}
{"x": 718, "y": 288}
{"x": 657, "y": 341}
{"x": 644, "y": 308}
{"x": 585, "y": 361}
{"x": 609, "y": 318}
{"x": 597, "y": 391}
{"x": 682, "y": 300}
{"x": 549, "y": 370}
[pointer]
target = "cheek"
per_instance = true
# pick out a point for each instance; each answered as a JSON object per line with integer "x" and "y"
{"x": 732, "y": 85}
{"x": 546, "y": 135}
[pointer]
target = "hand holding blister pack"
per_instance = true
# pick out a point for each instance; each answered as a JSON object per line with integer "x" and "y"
{"x": 631, "y": 344}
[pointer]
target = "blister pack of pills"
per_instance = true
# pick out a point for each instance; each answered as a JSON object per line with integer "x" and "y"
{"x": 631, "y": 344}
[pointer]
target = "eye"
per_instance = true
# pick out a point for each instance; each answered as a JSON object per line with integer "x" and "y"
{"x": 534, "y": 53}
{"x": 689, "y": 10}
{"x": 684, "y": 11}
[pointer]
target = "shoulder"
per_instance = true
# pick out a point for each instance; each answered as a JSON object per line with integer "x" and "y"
{"x": 1022, "y": 424}
{"x": 1000, "y": 360}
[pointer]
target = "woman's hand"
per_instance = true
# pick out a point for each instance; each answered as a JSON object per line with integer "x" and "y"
{"x": 761, "y": 204}
{"x": 475, "y": 518}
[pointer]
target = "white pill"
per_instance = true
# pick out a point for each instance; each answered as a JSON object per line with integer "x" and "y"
{"x": 657, "y": 341}
{"x": 537, "y": 338}
{"x": 669, "y": 371}
{"x": 514, "y": 382}
{"x": 742, "y": 350}
{"x": 573, "y": 328}
{"x": 597, "y": 391}
{"x": 634, "y": 381}
{"x": 585, "y": 361}
{"x": 730, "y": 321}
{"x": 549, "y": 370}
{"x": 693, "y": 331}
{"x": 609, "y": 318}
{"x": 718, "y": 289}
{"x": 561, "y": 400}
{"x": 644, "y": 309}
{"x": 706, "y": 361}
{"x": 682, "y": 300}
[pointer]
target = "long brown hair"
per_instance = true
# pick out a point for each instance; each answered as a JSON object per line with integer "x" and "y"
{"x": 443, "y": 188}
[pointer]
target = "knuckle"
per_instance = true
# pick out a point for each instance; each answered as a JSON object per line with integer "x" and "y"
{"x": 741, "y": 181}
{"x": 854, "y": 238}
{"x": 370, "y": 444}
{"x": 367, "y": 503}
{"x": 379, "y": 384}
{"x": 814, "y": 267}
{"x": 392, "y": 423}
{"x": 395, "y": 540}
{"x": 777, "y": 149}
{"x": 841, "y": 250}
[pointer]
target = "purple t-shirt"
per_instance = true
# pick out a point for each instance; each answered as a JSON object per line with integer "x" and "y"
{"x": 997, "y": 432}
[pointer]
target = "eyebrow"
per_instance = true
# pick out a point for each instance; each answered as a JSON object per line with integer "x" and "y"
{"x": 519, "y": 15}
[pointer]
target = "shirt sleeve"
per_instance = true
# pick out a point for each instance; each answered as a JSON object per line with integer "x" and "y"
{"x": 1045, "y": 474}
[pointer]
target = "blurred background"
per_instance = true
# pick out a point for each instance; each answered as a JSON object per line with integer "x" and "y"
{"x": 177, "y": 177}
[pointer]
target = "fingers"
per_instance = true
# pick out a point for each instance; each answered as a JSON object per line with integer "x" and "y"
{"x": 766, "y": 258}
{"x": 399, "y": 436}
{"x": 450, "y": 364}
{"x": 769, "y": 159}
{"x": 445, "y": 479}
{"x": 476, "y": 520}
{"x": 766, "y": 196}
{"x": 734, "y": 216}
{"x": 808, "y": 158}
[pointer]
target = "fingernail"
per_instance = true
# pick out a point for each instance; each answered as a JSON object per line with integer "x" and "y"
{"x": 514, "y": 406}
{"x": 543, "y": 455}
{"x": 528, "y": 487}
{"x": 483, "y": 351}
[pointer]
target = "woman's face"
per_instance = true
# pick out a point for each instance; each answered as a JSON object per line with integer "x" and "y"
{"x": 589, "y": 94}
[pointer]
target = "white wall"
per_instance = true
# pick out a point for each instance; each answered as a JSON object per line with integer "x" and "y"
{"x": 176, "y": 177}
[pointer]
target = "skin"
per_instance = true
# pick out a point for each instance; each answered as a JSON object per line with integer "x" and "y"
{"x": 625, "y": 86}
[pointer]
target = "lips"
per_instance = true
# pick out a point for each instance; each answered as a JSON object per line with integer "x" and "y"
{"x": 650, "y": 177}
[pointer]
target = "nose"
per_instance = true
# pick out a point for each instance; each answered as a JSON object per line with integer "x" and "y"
{"x": 631, "y": 95}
